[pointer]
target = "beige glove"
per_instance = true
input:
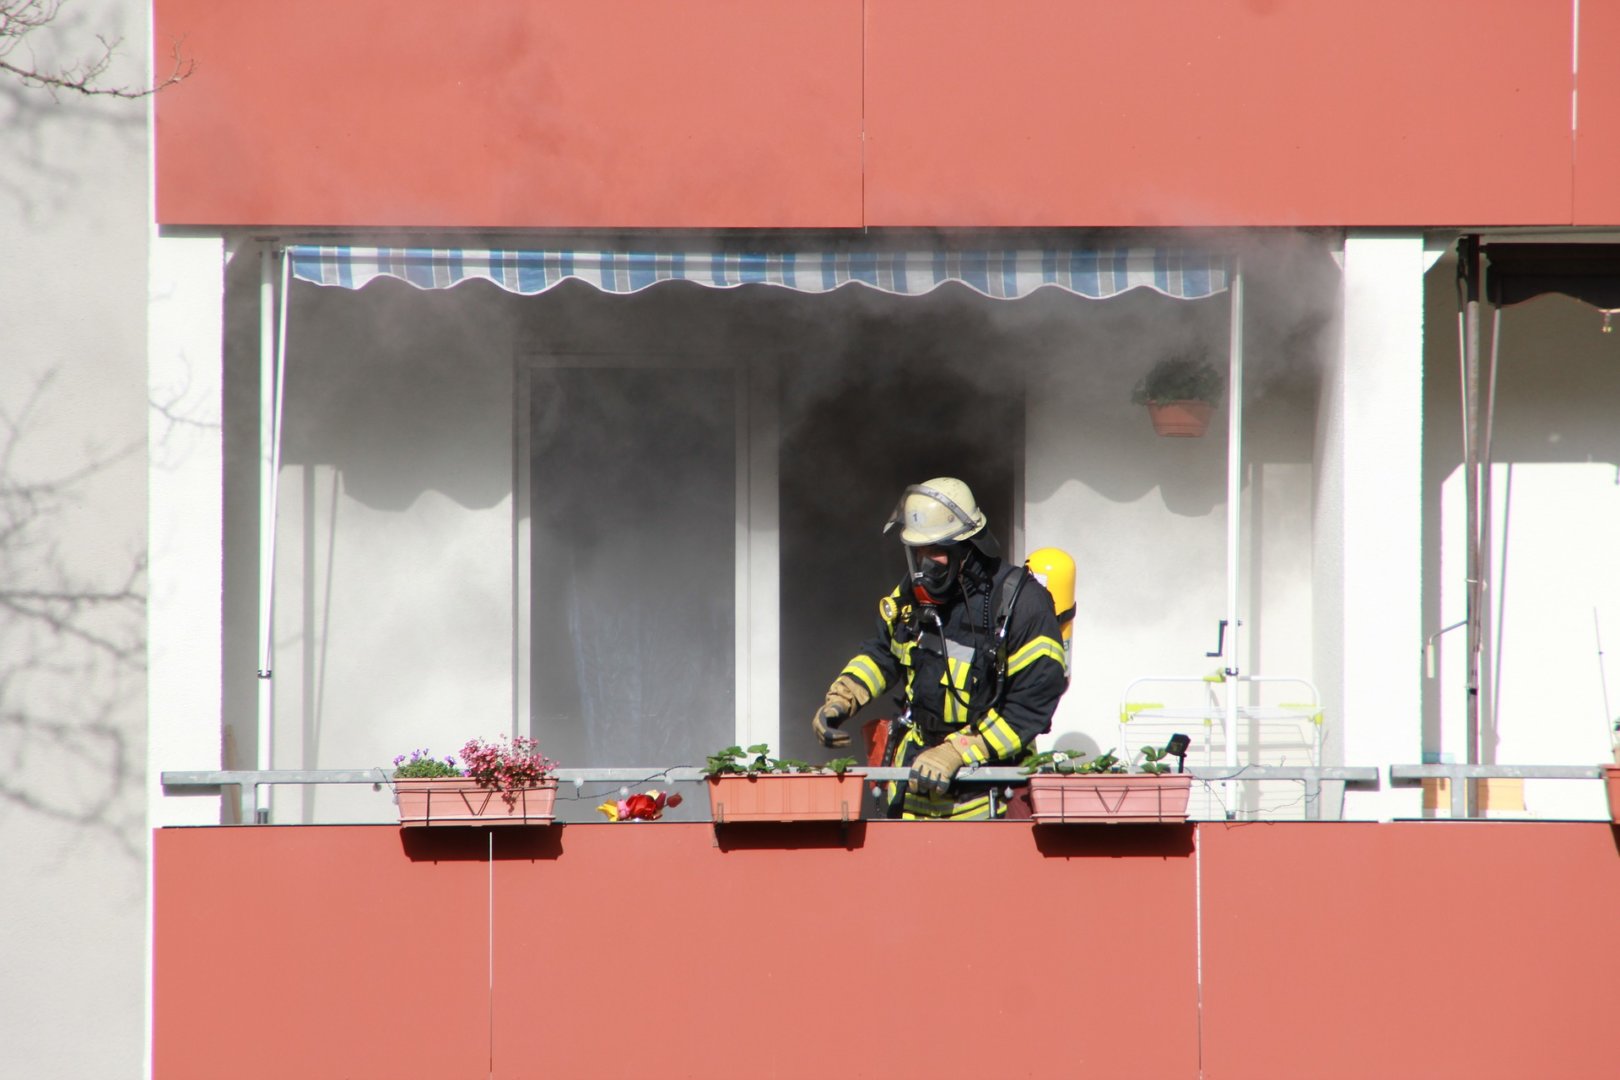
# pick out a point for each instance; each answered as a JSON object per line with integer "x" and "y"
{"x": 933, "y": 769}
{"x": 844, "y": 697}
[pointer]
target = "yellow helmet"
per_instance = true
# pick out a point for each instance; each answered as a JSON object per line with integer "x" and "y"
{"x": 940, "y": 511}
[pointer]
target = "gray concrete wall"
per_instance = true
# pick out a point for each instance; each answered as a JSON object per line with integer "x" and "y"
{"x": 73, "y": 245}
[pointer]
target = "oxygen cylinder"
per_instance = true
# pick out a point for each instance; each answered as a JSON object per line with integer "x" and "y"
{"x": 1054, "y": 568}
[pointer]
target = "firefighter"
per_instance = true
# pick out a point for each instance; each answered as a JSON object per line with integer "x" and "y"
{"x": 971, "y": 646}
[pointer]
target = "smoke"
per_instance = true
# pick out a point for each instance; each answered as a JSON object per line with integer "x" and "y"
{"x": 855, "y": 394}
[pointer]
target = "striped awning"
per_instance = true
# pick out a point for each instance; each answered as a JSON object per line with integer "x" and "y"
{"x": 1096, "y": 273}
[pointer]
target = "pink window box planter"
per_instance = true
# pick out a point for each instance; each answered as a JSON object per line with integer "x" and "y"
{"x": 457, "y": 800}
{"x": 786, "y": 797}
{"x": 1109, "y": 797}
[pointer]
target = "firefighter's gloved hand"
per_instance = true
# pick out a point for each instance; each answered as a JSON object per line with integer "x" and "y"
{"x": 933, "y": 770}
{"x": 844, "y": 697}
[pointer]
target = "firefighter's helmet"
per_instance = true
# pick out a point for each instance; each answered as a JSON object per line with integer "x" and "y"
{"x": 940, "y": 511}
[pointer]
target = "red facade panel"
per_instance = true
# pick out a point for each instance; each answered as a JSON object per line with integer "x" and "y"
{"x": 511, "y": 113}
{"x": 1422, "y": 949}
{"x": 1328, "y": 950}
{"x": 1597, "y": 139}
{"x": 927, "y": 950}
{"x": 734, "y": 113}
{"x": 1217, "y": 113}
{"x": 316, "y": 952}
{"x": 622, "y": 950}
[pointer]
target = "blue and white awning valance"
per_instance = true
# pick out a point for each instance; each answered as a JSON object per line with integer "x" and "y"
{"x": 1095, "y": 273}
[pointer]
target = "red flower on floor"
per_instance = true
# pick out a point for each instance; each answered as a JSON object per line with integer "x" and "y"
{"x": 643, "y": 806}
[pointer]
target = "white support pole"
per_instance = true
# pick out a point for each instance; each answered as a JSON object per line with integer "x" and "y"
{"x": 272, "y": 371}
{"x": 1234, "y": 520}
{"x": 759, "y": 574}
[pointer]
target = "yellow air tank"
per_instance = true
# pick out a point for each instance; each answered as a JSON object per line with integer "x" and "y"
{"x": 1054, "y": 569}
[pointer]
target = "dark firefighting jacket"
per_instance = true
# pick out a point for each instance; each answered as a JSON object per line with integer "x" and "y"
{"x": 954, "y": 670}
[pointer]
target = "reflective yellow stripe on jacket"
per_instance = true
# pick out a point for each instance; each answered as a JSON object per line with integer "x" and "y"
{"x": 1000, "y": 735}
{"x": 866, "y": 672}
{"x": 1033, "y": 650}
{"x": 935, "y": 807}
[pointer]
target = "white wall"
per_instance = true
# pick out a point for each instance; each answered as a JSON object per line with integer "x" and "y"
{"x": 1369, "y": 535}
{"x": 1145, "y": 517}
{"x": 73, "y": 205}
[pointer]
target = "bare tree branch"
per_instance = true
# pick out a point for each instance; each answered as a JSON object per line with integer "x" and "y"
{"x": 72, "y": 645}
{"x": 20, "y": 18}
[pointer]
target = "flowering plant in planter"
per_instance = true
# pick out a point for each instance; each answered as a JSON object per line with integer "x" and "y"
{"x": 508, "y": 765}
{"x": 429, "y": 791}
{"x": 422, "y": 765}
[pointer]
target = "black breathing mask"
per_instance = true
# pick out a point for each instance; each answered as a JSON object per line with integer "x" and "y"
{"x": 932, "y": 581}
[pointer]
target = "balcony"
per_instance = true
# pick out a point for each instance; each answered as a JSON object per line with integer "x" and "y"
{"x": 1214, "y": 948}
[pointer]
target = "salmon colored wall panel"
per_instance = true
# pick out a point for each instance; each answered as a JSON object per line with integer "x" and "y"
{"x": 646, "y": 949}
{"x": 316, "y": 952}
{"x": 511, "y": 113}
{"x": 1420, "y": 949}
{"x": 1597, "y": 137}
{"x": 1217, "y": 112}
{"x": 1328, "y": 950}
{"x": 928, "y": 950}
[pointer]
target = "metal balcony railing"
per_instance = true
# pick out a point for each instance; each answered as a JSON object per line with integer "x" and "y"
{"x": 247, "y": 782}
{"x": 1457, "y": 774}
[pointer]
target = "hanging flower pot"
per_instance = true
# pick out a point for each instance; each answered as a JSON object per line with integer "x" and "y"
{"x": 1180, "y": 393}
{"x": 1180, "y": 419}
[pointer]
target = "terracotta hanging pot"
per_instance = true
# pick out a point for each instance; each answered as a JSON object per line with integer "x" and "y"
{"x": 1180, "y": 419}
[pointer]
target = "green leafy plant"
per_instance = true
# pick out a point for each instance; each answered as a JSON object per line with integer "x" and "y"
{"x": 734, "y": 760}
{"x": 422, "y": 765}
{"x": 1186, "y": 377}
{"x": 1153, "y": 760}
{"x": 1069, "y": 762}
